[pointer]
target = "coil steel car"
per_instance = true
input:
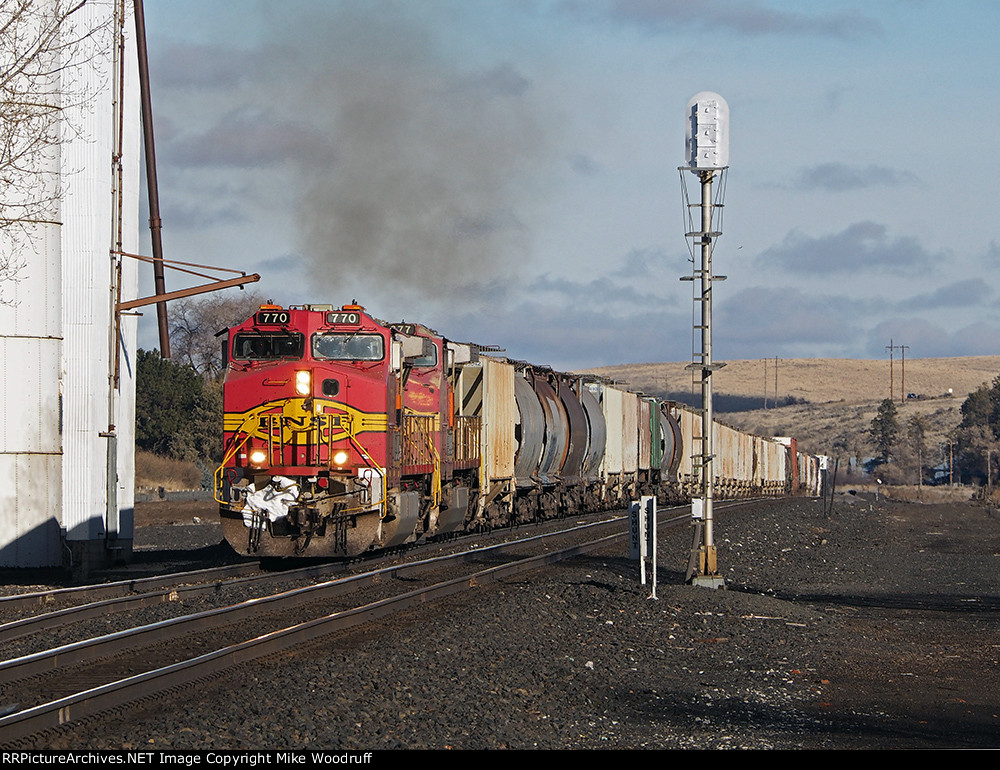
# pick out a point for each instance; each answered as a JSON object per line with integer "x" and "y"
{"x": 344, "y": 433}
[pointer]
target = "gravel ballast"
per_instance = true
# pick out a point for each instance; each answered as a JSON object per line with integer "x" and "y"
{"x": 875, "y": 627}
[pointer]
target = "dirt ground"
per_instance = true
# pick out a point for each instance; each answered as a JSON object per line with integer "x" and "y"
{"x": 164, "y": 513}
{"x": 874, "y": 626}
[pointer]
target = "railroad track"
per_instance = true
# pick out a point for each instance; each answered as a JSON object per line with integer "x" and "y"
{"x": 45, "y": 690}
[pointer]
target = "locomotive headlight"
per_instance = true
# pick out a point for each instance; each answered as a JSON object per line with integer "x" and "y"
{"x": 257, "y": 456}
{"x": 303, "y": 383}
{"x": 340, "y": 457}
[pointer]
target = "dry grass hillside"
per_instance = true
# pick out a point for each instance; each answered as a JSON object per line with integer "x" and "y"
{"x": 833, "y": 400}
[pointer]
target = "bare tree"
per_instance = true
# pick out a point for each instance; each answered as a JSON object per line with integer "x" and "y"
{"x": 44, "y": 46}
{"x": 195, "y": 322}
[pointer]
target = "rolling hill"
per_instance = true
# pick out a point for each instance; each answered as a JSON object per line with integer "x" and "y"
{"x": 826, "y": 403}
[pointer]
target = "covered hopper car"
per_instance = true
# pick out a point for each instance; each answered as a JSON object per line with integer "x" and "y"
{"x": 344, "y": 433}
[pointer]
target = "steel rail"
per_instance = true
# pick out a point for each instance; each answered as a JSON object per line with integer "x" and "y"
{"x": 123, "y": 596}
{"x": 89, "y": 650}
{"x": 119, "y": 588}
{"x": 17, "y": 629}
{"x": 116, "y": 694}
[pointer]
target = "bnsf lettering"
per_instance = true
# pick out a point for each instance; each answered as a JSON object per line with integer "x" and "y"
{"x": 300, "y": 424}
{"x": 348, "y": 319}
{"x": 279, "y": 317}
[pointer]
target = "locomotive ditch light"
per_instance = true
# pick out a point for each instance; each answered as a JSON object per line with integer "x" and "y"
{"x": 303, "y": 382}
{"x": 258, "y": 457}
{"x": 340, "y": 457}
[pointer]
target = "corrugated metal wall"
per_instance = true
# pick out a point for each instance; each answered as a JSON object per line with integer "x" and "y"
{"x": 88, "y": 236}
{"x": 31, "y": 350}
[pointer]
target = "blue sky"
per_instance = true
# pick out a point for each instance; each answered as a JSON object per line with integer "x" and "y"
{"x": 506, "y": 172}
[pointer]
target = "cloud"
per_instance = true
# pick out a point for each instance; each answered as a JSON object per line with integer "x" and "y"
{"x": 584, "y": 165}
{"x": 604, "y": 292}
{"x": 584, "y": 335}
{"x": 213, "y": 67}
{"x": 758, "y": 320}
{"x": 644, "y": 264}
{"x": 833, "y": 99}
{"x": 190, "y": 214}
{"x": 744, "y": 18}
{"x": 926, "y": 340}
{"x": 501, "y": 81}
{"x": 863, "y": 246}
{"x": 959, "y": 294}
{"x": 251, "y": 138}
{"x": 839, "y": 177}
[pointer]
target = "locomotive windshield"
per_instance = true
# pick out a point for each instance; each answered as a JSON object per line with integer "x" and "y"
{"x": 348, "y": 347}
{"x": 268, "y": 346}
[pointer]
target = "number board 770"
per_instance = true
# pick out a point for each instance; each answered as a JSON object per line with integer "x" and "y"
{"x": 271, "y": 318}
{"x": 343, "y": 318}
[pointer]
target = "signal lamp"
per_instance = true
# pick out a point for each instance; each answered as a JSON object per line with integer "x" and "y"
{"x": 303, "y": 383}
{"x": 340, "y": 457}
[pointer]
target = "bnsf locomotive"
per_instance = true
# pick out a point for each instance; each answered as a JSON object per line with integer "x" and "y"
{"x": 344, "y": 433}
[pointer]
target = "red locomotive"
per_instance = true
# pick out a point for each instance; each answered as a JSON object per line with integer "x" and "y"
{"x": 341, "y": 433}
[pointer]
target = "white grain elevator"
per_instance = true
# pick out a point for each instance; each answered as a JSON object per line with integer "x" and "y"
{"x": 67, "y": 387}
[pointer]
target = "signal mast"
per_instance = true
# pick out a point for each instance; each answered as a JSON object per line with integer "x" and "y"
{"x": 707, "y": 156}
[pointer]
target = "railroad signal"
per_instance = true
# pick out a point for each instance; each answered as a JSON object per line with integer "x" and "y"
{"x": 707, "y": 155}
{"x": 707, "y": 138}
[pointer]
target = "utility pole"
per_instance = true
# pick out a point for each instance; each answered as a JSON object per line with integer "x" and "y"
{"x": 775, "y": 382}
{"x": 892, "y": 393}
{"x": 902, "y": 367}
{"x": 765, "y": 383}
{"x": 707, "y": 150}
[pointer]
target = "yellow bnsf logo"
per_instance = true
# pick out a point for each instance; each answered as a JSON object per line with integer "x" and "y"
{"x": 288, "y": 417}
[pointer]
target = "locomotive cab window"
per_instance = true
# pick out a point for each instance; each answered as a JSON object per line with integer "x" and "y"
{"x": 420, "y": 362}
{"x": 268, "y": 347}
{"x": 348, "y": 347}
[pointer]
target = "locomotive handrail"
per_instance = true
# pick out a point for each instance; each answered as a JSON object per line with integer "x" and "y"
{"x": 368, "y": 463}
{"x": 217, "y": 485}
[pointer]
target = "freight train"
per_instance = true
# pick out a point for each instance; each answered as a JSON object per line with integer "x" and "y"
{"x": 344, "y": 433}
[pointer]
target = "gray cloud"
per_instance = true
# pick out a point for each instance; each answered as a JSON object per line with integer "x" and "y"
{"x": 502, "y": 81}
{"x": 585, "y": 335}
{"x": 838, "y": 177}
{"x": 927, "y": 340}
{"x": 862, "y": 246}
{"x": 251, "y": 138}
{"x": 194, "y": 215}
{"x": 744, "y": 18}
{"x": 644, "y": 264}
{"x": 959, "y": 294}
{"x": 207, "y": 67}
{"x": 584, "y": 165}
{"x": 833, "y": 99}
{"x": 760, "y": 320}
{"x": 601, "y": 291}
